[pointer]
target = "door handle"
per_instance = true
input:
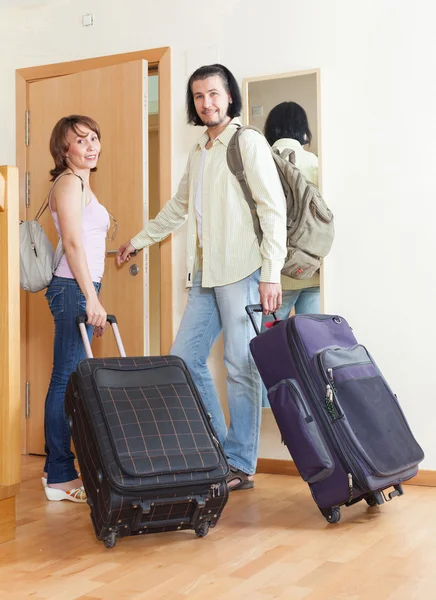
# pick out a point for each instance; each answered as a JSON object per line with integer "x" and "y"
{"x": 134, "y": 270}
{"x": 111, "y": 252}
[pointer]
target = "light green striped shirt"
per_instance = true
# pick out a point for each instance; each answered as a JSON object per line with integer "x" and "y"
{"x": 230, "y": 247}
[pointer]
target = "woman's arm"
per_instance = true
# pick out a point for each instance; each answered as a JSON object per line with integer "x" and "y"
{"x": 67, "y": 201}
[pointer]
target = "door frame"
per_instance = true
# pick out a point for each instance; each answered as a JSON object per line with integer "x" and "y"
{"x": 160, "y": 60}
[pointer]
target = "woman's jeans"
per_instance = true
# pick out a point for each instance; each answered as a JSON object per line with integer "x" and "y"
{"x": 306, "y": 302}
{"x": 208, "y": 312}
{"x": 66, "y": 302}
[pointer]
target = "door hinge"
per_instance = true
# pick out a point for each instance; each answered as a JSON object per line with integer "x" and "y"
{"x": 27, "y": 127}
{"x": 27, "y": 399}
{"x": 27, "y": 189}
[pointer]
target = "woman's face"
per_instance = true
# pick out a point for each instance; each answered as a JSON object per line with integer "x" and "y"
{"x": 83, "y": 149}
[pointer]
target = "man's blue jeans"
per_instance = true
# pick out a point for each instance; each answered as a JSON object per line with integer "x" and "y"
{"x": 66, "y": 302}
{"x": 306, "y": 302}
{"x": 208, "y": 312}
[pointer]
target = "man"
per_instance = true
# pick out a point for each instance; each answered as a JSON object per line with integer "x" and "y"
{"x": 226, "y": 269}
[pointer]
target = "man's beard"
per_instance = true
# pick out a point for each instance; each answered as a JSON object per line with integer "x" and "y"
{"x": 212, "y": 120}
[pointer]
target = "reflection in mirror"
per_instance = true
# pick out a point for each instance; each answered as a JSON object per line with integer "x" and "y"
{"x": 266, "y": 93}
{"x": 286, "y": 109}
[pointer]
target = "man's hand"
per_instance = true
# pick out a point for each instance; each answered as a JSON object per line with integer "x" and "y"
{"x": 270, "y": 296}
{"x": 124, "y": 252}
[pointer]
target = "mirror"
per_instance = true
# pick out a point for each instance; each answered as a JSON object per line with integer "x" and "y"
{"x": 294, "y": 100}
{"x": 261, "y": 94}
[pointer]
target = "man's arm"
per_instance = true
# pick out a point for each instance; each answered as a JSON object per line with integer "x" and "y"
{"x": 267, "y": 192}
{"x": 264, "y": 183}
{"x": 170, "y": 218}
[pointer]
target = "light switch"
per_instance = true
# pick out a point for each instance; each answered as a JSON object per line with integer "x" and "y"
{"x": 257, "y": 111}
{"x": 87, "y": 20}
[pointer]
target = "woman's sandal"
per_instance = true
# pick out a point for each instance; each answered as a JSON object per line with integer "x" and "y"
{"x": 237, "y": 475}
{"x": 75, "y": 495}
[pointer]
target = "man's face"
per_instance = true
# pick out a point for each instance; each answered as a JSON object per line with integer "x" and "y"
{"x": 211, "y": 100}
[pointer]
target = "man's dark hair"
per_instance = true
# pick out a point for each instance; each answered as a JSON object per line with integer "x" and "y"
{"x": 287, "y": 120}
{"x": 230, "y": 85}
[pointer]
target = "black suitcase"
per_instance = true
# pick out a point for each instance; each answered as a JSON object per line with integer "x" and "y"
{"x": 149, "y": 457}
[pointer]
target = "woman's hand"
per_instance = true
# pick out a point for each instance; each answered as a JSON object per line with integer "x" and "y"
{"x": 124, "y": 252}
{"x": 96, "y": 314}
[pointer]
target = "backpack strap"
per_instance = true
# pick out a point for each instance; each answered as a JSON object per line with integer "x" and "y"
{"x": 287, "y": 154}
{"x": 236, "y": 166}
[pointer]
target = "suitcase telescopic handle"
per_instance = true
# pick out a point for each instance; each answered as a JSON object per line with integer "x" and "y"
{"x": 81, "y": 322}
{"x": 254, "y": 308}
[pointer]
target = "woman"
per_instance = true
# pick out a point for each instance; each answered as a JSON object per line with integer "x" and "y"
{"x": 287, "y": 127}
{"x": 82, "y": 223}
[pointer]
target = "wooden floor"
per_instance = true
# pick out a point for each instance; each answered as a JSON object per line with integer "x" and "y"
{"x": 271, "y": 542}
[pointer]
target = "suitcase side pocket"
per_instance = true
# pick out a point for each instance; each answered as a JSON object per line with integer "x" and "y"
{"x": 367, "y": 412}
{"x": 300, "y": 431}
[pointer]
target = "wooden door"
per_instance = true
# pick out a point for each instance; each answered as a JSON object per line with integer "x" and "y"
{"x": 116, "y": 97}
{"x": 10, "y": 460}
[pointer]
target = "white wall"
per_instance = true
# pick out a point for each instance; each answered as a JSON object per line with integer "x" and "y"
{"x": 378, "y": 93}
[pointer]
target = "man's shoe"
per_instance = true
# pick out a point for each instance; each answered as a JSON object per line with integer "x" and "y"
{"x": 241, "y": 479}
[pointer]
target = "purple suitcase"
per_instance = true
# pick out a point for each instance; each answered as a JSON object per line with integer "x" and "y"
{"x": 337, "y": 415}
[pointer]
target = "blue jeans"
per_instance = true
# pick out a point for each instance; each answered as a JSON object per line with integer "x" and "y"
{"x": 66, "y": 302}
{"x": 306, "y": 302}
{"x": 208, "y": 312}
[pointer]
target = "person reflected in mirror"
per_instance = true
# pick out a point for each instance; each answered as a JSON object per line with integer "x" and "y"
{"x": 287, "y": 128}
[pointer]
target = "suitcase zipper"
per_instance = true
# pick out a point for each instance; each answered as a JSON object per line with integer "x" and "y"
{"x": 176, "y": 485}
{"x": 215, "y": 489}
{"x": 335, "y": 436}
{"x": 328, "y": 377}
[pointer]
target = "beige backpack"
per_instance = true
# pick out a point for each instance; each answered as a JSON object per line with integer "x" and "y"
{"x": 310, "y": 229}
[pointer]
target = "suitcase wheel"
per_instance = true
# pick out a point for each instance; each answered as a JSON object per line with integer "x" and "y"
{"x": 371, "y": 500}
{"x": 111, "y": 539}
{"x": 332, "y": 515}
{"x": 203, "y": 529}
